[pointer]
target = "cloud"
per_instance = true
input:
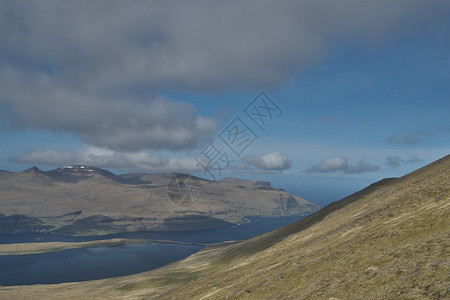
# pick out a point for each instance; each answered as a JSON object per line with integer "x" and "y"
{"x": 96, "y": 69}
{"x": 143, "y": 160}
{"x": 415, "y": 160}
{"x": 198, "y": 44}
{"x": 361, "y": 167}
{"x": 274, "y": 161}
{"x": 103, "y": 120}
{"x": 411, "y": 138}
{"x": 106, "y": 158}
{"x": 334, "y": 164}
{"x": 394, "y": 161}
{"x": 340, "y": 164}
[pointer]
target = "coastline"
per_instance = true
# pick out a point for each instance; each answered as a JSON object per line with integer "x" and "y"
{"x": 45, "y": 247}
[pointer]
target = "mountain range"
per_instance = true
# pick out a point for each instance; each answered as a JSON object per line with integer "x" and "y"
{"x": 84, "y": 200}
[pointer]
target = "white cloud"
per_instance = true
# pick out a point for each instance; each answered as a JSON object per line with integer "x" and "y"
{"x": 105, "y": 158}
{"x": 340, "y": 164}
{"x": 334, "y": 164}
{"x": 274, "y": 161}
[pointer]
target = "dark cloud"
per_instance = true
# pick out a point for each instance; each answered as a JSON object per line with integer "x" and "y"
{"x": 411, "y": 138}
{"x": 94, "y": 68}
{"x": 197, "y": 44}
{"x": 102, "y": 119}
{"x": 394, "y": 161}
{"x": 340, "y": 164}
{"x": 274, "y": 161}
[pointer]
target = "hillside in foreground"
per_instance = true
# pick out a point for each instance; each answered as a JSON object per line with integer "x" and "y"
{"x": 388, "y": 241}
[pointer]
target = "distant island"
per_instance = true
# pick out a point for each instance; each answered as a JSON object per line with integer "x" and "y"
{"x": 85, "y": 200}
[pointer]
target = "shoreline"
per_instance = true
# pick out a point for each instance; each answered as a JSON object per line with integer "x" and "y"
{"x": 46, "y": 247}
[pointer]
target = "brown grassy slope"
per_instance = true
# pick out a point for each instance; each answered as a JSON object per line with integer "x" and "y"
{"x": 389, "y": 241}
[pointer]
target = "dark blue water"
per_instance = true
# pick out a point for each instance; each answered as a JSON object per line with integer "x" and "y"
{"x": 88, "y": 264}
{"x": 235, "y": 233}
{"x": 105, "y": 262}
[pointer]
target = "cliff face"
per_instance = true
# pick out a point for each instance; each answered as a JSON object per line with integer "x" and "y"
{"x": 88, "y": 200}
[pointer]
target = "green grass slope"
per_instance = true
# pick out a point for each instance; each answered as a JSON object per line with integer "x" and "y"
{"x": 388, "y": 241}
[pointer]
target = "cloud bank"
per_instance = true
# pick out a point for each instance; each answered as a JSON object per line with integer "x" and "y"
{"x": 106, "y": 158}
{"x": 98, "y": 69}
{"x": 144, "y": 160}
{"x": 200, "y": 44}
{"x": 340, "y": 164}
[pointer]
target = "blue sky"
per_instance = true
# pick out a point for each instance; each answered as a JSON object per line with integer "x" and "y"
{"x": 363, "y": 88}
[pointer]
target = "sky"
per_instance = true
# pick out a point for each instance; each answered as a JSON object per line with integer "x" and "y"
{"x": 321, "y": 98}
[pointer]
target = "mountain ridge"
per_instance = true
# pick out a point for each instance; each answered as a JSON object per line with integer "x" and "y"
{"x": 110, "y": 203}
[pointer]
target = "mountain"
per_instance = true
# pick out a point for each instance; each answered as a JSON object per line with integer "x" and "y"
{"x": 387, "y": 241}
{"x": 84, "y": 200}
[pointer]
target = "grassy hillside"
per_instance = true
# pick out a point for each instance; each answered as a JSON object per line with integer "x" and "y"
{"x": 388, "y": 241}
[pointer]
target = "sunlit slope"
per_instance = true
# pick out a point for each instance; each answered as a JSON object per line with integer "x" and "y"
{"x": 388, "y": 241}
